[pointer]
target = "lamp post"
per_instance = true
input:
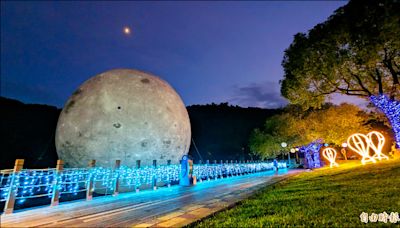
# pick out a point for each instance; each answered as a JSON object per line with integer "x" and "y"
{"x": 292, "y": 151}
{"x": 284, "y": 145}
{"x": 343, "y": 150}
{"x": 297, "y": 155}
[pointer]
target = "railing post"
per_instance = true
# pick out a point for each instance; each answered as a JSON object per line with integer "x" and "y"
{"x": 154, "y": 177}
{"x": 232, "y": 168}
{"x": 137, "y": 167}
{"x": 222, "y": 166}
{"x": 9, "y": 206}
{"x": 169, "y": 180}
{"x": 238, "y": 171}
{"x": 56, "y": 181}
{"x": 240, "y": 167}
{"x": 200, "y": 178}
{"x": 89, "y": 187}
{"x": 208, "y": 166}
{"x": 116, "y": 182}
{"x": 215, "y": 170}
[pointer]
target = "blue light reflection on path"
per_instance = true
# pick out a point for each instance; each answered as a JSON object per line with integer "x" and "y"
{"x": 128, "y": 208}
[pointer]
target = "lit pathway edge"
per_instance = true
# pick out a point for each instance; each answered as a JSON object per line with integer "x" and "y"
{"x": 175, "y": 206}
{"x": 195, "y": 212}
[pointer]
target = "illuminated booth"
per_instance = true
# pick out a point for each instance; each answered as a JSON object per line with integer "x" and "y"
{"x": 312, "y": 157}
{"x": 186, "y": 175}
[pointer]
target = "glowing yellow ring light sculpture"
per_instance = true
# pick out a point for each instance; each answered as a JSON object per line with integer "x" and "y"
{"x": 330, "y": 154}
{"x": 360, "y": 144}
{"x": 379, "y": 146}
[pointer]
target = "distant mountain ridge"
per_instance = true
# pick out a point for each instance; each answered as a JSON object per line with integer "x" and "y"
{"x": 220, "y": 132}
{"x": 27, "y": 131}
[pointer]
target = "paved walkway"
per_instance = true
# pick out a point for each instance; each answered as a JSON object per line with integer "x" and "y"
{"x": 166, "y": 207}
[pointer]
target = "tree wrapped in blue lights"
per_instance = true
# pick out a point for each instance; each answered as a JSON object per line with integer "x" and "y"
{"x": 362, "y": 60}
{"x": 391, "y": 109}
{"x": 311, "y": 153}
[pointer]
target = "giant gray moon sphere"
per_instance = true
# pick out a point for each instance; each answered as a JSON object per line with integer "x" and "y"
{"x": 125, "y": 115}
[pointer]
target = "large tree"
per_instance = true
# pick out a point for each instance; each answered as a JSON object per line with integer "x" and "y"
{"x": 332, "y": 124}
{"x": 266, "y": 143}
{"x": 356, "y": 52}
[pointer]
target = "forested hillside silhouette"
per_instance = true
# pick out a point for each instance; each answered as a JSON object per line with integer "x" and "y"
{"x": 222, "y": 132}
{"x": 27, "y": 131}
{"x": 219, "y": 131}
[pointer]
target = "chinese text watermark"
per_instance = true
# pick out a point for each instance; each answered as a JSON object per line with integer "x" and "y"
{"x": 384, "y": 217}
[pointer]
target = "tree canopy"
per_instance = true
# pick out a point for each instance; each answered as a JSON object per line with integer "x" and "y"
{"x": 332, "y": 124}
{"x": 266, "y": 142}
{"x": 355, "y": 52}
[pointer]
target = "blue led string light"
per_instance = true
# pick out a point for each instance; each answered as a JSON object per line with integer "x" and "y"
{"x": 5, "y": 180}
{"x": 391, "y": 109}
{"x": 40, "y": 183}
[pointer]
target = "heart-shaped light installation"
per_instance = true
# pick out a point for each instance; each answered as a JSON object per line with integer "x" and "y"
{"x": 360, "y": 144}
{"x": 330, "y": 154}
{"x": 377, "y": 148}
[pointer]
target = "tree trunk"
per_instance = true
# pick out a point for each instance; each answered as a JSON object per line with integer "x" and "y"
{"x": 391, "y": 108}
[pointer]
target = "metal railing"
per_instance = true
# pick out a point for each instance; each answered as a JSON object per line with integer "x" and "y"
{"x": 19, "y": 185}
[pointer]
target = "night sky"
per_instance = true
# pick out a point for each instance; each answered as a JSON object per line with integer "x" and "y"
{"x": 208, "y": 51}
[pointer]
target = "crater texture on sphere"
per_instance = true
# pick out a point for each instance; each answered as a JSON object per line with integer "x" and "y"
{"x": 124, "y": 115}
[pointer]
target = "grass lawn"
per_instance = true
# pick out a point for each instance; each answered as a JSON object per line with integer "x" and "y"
{"x": 323, "y": 197}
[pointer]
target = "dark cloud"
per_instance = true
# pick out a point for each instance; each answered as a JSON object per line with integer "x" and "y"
{"x": 263, "y": 95}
